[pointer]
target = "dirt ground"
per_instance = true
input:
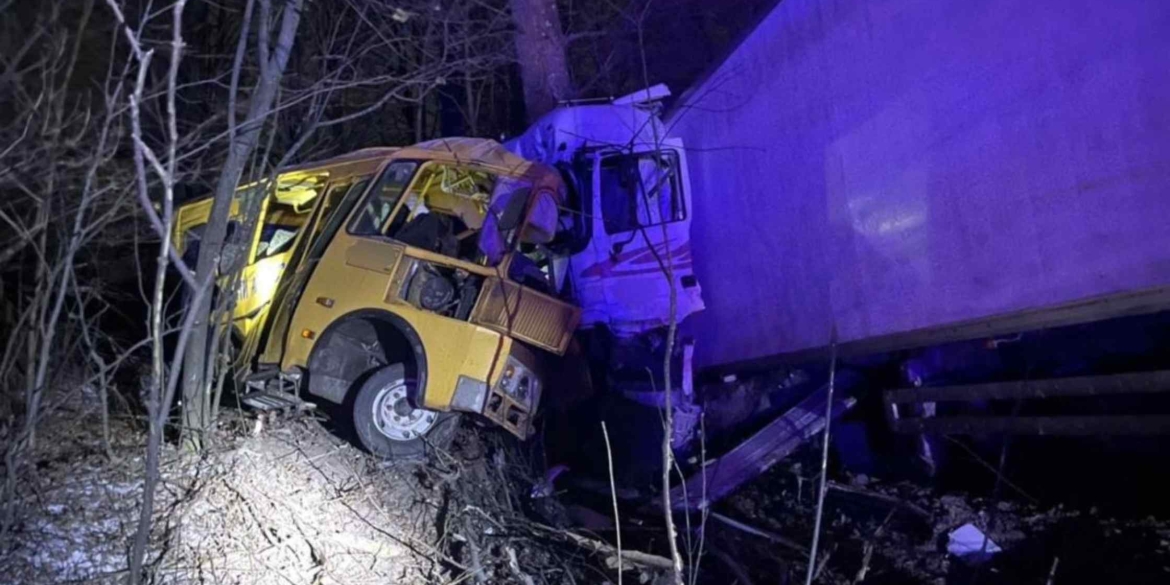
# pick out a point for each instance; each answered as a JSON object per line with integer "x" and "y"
{"x": 284, "y": 502}
{"x": 291, "y": 502}
{"x": 890, "y": 532}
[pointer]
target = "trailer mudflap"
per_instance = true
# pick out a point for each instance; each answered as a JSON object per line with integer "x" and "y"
{"x": 767, "y": 447}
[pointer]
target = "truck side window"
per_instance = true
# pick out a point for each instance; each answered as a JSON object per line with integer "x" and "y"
{"x": 379, "y": 204}
{"x": 640, "y": 190}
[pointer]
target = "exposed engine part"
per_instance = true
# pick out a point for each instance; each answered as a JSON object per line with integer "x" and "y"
{"x": 433, "y": 291}
{"x": 468, "y": 293}
{"x": 447, "y": 291}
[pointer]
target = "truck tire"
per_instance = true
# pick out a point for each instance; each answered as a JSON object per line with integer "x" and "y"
{"x": 388, "y": 426}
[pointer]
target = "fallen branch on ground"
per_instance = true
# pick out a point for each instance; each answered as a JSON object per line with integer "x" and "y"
{"x": 632, "y": 557}
{"x": 888, "y": 500}
{"x": 733, "y": 523}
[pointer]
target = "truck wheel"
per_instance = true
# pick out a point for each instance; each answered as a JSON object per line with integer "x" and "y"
{"x": 388, "y": 426}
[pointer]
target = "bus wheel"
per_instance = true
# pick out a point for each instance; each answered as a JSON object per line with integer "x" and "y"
{"x": 389, "y": 426}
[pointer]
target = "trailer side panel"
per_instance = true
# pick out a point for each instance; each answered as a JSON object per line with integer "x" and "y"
{"x": 894, "y": 166}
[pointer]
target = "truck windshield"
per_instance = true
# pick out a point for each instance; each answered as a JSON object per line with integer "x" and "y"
{"x": 640, "y": 190}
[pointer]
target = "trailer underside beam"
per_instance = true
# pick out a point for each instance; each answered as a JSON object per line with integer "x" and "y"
{"x": 905, "y": 407}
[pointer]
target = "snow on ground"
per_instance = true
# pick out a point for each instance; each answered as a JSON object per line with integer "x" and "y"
{"x": 293, "y": 504}
{"x": 298, "y": 505}
{"x": 73, "y": 529}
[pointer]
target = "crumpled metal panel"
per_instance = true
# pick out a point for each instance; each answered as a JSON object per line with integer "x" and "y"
{"x": 525, "y": 314}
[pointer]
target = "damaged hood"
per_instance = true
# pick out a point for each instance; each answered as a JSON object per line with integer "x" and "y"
{"x": 563, "y": 132}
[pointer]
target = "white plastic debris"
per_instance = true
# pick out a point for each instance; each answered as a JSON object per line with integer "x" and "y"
{"x": 968, "y": 541}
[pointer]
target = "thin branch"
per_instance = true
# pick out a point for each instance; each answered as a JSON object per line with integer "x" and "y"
{"x": 617, "y": 523}
{"x": 237, "y": 64}
{"x": 812, "y": 553}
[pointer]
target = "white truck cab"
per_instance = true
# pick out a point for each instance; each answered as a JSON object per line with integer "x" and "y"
{"x": 630, "y": 220}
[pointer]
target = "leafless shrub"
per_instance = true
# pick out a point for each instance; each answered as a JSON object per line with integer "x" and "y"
{"x": 61, "y": 188}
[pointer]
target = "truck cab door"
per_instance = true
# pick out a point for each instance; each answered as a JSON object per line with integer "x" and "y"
{"x": 641, "y": 225}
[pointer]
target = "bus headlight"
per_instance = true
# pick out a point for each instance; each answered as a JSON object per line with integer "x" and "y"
{"x": 520, "y": 384}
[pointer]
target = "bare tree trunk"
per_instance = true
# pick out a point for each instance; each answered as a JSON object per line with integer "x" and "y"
{"x": 40, "y": 303}
{"x": 157, "y": 405}
{"x": 540, "y": 50}
{"x": 195, "y": 384}
{"x": 472, "y": 114}
{"x": 420, "y": 110}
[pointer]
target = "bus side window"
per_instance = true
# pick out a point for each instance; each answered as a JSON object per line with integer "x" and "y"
{"x": 332, "y": 218}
